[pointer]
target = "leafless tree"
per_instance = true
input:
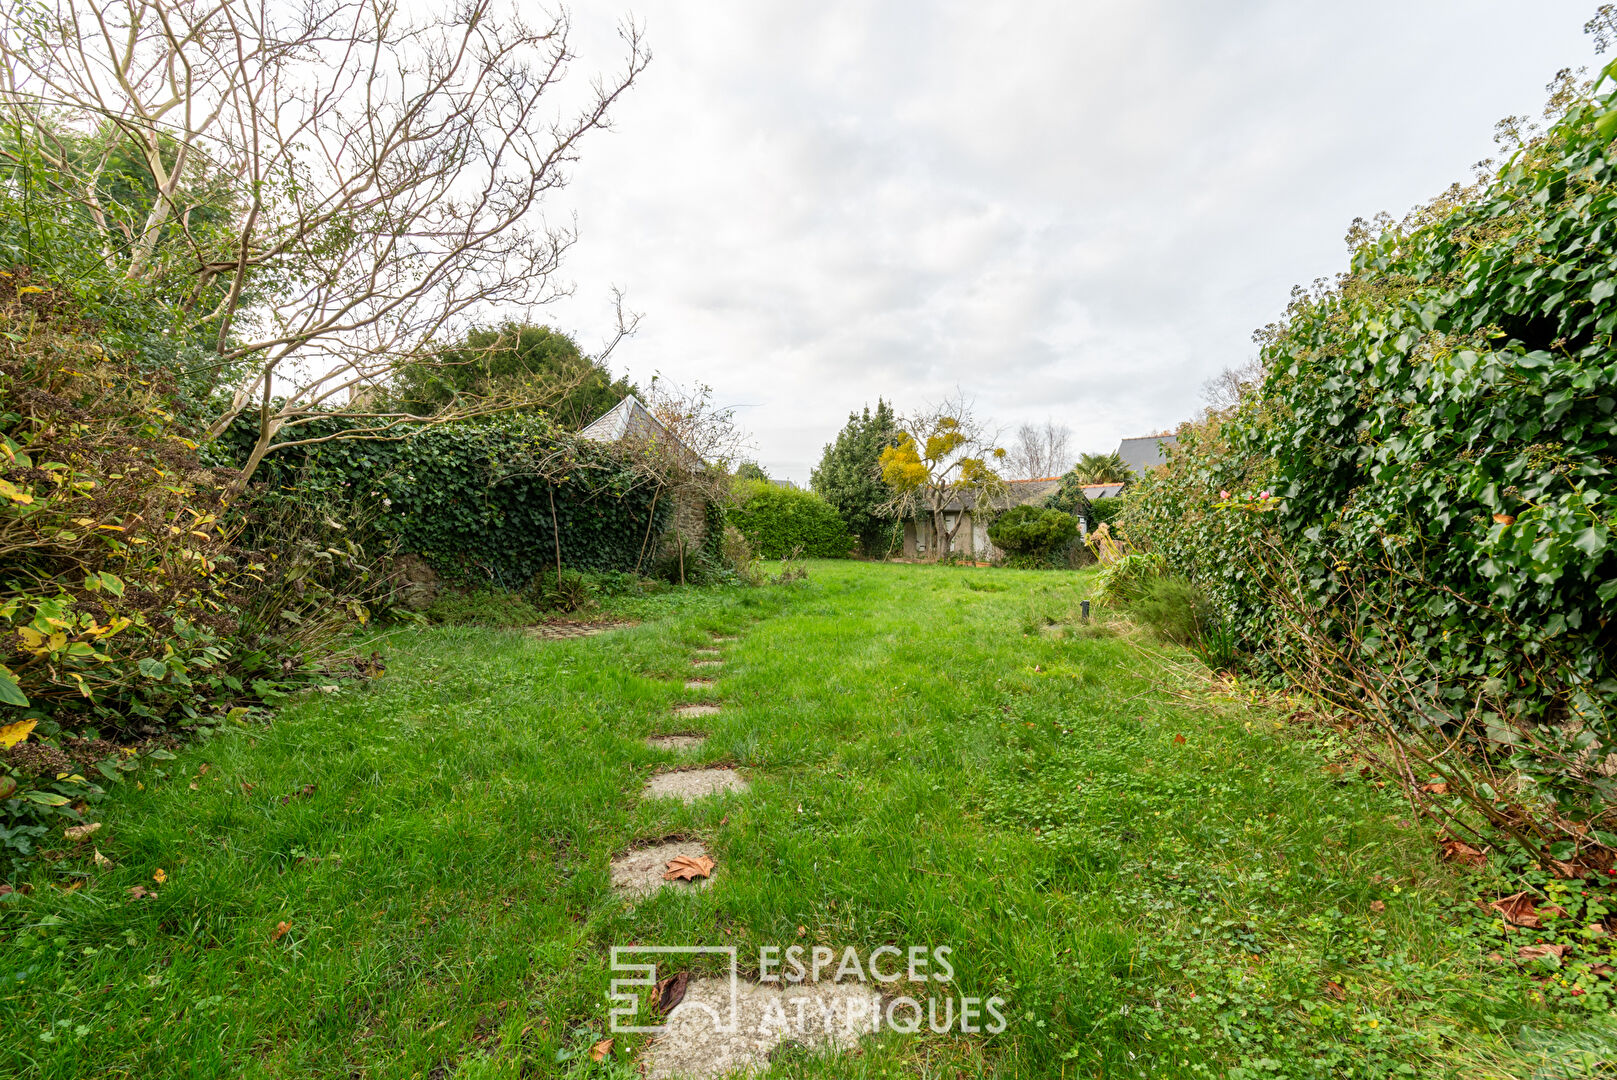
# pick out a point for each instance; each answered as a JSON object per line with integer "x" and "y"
{"x": 383, "y": 174}
{"x": 1039, "y": 451}
{"x": 1225, "y": 390}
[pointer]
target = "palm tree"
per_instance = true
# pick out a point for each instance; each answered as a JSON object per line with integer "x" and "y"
{"x": 1100, "y": 469}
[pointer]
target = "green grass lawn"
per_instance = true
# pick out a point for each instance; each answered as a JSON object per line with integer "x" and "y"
{"x": 1159, "y": 882}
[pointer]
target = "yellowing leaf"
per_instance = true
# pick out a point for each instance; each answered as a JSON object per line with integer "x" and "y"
{"x": 12, "y": 734}
{"x": 26, "y": 289}
{"x": 11, "y": 491}
{"x": 160, "y": 877}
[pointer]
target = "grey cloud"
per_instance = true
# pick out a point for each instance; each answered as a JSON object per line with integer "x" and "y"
{"x": 1070, "y": 209}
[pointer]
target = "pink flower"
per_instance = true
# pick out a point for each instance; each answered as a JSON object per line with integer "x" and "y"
{"x": 1223, "y": 494}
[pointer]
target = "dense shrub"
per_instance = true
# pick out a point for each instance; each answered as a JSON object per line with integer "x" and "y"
{"x": 777, "y": 521}
{"x": 1412, "y": 513}
{"x": 484, "y": 501}
{"x": 130, "y": 604}
{"x": 1032, "y": 530}
{"x": 1104, "y": 511}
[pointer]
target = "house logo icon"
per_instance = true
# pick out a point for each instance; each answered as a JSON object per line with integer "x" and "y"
{"x": 639, "y": 964}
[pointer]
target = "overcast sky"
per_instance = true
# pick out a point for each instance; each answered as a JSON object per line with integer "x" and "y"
{"x": 1071, "y": 209}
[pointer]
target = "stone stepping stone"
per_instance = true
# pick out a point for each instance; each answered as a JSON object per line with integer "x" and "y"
{"x": 691, "y": 784}
{"x": 709, "y": 652}
{"x": 698, "y": 684}
{"x": 640, "y": 872}
{"x": 696, "y": 710}
{"x": 707, "y": 663}
{"x": 676, "y": 742}
{"x": 692, "y": 1046}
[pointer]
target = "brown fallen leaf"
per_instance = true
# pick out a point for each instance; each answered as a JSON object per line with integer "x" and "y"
{"x": 1435, "y": 789}
{"x": 1600, "y": 969}
{"x": 141, "y": 892}
{"x": 101, "y": 860}
{"x": 670, "y": 992}
{"x": 202, "y": 770}
{"x": 801, "y": 930}
{"x": 1179, "y": 740}
{"x": 1538, "y": 952}
{"x": 1517, "y": 908}
{"x": 1504, "y": 519}
{"x": 302, "y": 793}
{"x": 1378, "y": 905}
{"x": 688, "y": 867}
{"x": 81, "y": 832}
{"x": 1335, "y": 990}
{"x": 1552, "y": 911}
{"x": 1461, "y": 852}
{"x": 6, "y": 890}
{"x": 600, "y": 1050}
{"x": 280, "y": 931}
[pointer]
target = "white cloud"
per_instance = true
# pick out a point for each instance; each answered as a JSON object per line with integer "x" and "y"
{"x": 1067, "y": 209}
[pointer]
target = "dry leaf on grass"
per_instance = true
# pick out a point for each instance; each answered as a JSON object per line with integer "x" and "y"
{"x": 280, "y": 931}
{"x": 670, "y": 992}
{"x": 1435, "y": 789}
{"x": 600, "y": 1050}
{"x": 1335, "y": 990}
{"x": 141, "y": 892}
{"x": 81, "y": 832}
{"x": 1538, "y": 952}
{"x": 1517, "y": 908}
{"x": 1378, "y": 905}
{"x": 1461, "y": 852}
{"x": 101, "y": 860}
{"x": 1179, "y": 740}
{"x": 688, "y": 867}
{"x": 161, "y": 877}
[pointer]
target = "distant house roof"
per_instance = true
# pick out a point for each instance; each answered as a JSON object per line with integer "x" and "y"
{"x": 627, "y": 418}
{"x": 1016, "y": 493}
{"x": 1100, "y": 491}
{"x": 1145, "y": 452}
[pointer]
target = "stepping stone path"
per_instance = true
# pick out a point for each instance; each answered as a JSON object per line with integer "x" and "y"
{"x": 640, "y": 872}
{"x": 676, "y": 742}
{"x": 691, "y": 1046}
{"x": 692, "y": 784}
{"x": 818, "y": 1017}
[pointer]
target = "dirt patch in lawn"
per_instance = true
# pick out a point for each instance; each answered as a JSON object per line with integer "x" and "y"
{"x": 640, "y": 872}
{"x": 696, "y": 710}
{"x": 560, "y": 630}
{"x": 688, "y": 741}
{"x": 692, "y": 784}
{"x": 698, "y": 684}
{"x": 766, "y": 1022}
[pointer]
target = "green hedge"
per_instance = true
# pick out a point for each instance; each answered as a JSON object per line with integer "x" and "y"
{"x": 1428, "y": 464}
{"x": 776, "y": 520}
{"x": 467, "y": 497}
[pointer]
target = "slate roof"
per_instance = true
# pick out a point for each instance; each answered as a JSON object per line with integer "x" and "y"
{"x": 1100, "y": 491}
{"x": 1017, "y": 493}
{"x": 627, "y": 418}
{"x": 1145, "y": 452}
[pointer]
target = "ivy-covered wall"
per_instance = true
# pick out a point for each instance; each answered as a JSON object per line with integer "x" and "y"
{"x": 477, "y": 499}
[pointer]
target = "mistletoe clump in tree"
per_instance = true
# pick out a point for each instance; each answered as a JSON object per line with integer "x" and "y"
{"x": 941, "y": 455}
